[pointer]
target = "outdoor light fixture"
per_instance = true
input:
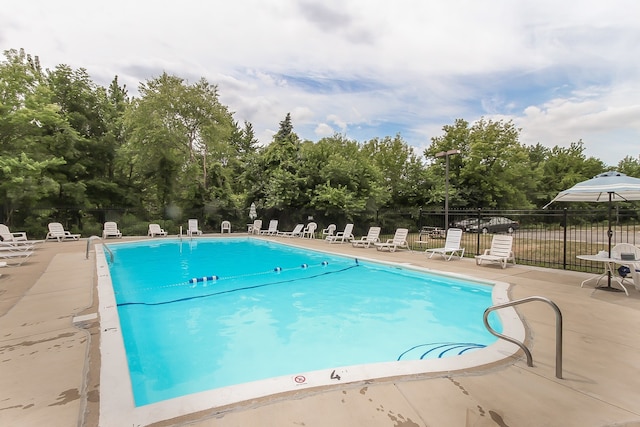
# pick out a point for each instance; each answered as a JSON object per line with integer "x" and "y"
{"x": 446, "y": 155}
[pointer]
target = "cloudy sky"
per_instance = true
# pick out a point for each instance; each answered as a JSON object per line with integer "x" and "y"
{"x": 562, "y": 71}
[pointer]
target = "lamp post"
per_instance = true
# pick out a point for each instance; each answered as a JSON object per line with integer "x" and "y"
{"x": 446, "y": 155}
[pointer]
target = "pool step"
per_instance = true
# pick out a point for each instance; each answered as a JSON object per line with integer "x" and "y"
{"x": 438, "y": 350}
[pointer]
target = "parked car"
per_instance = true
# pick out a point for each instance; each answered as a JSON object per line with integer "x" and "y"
{"x": 465, "y": 223}
{"x": 496, "y": 224}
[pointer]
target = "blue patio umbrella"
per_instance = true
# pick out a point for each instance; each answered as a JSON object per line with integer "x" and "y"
{"x": 607, "y": 187}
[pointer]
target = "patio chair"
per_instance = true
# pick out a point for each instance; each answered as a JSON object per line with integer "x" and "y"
{"x": 57, "y": 232}
{"x": 500, "y": 251}
{"x": 272, "y": 230}
{"x": 13, "y": 255}
{"x": 255, "y": 227}
{"x": 628, "y": 256}
{"x": 7, "y": 236}
{"x": 110, "y": 229}
{"x": 296, "y": 232}
{"x": 399, "y": 241}
{"x": 342, "y": 236}
{"x": 329, "y": 231}
{"x": 368, "y": 240}
{"x": 193, "y": 228}
{"x": 635, "y": 275}
{"x": 155, "y": 230}
{"x": 225, "y": 226}
{"x": 451, "y": 245}
{"x": 310, "y": 230}
{"x": 16, "y": 239}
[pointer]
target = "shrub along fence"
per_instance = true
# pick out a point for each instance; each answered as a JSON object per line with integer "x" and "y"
{"x": 549, "y": 238}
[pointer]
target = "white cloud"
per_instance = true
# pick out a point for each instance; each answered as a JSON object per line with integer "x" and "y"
{"x": 361, "y": 67}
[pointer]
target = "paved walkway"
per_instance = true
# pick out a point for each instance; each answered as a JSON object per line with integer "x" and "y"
{"x": 49, "y": 359}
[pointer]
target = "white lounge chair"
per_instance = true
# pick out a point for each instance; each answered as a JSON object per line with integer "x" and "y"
{"x": 296, "y": 232}
{"x": 451, "y": 245}
{"x": 155, "y": 230}
{"x": 329, "y": 231}
{"x": 16, "y": 239}
{"x": 310, "y": 230}
{"x": 13, "y": 255}
{"x": 225, "y": 226}
{"x": 255, "y": 228}
{"x": 399, "y": 241}
{"x": 57, "y": 231}
{"x": 342, "y": 236}
{"x": 373, "y": 236}
{"x": 272, "y": 230}
{"x": 110, "y": 229}
{"x": 8, "y": 236}
{"x": 193, "y": 228}
{"x": 500, "y": 251}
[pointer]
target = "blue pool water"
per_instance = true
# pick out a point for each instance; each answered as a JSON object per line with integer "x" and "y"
{"x": 275, "y": 310}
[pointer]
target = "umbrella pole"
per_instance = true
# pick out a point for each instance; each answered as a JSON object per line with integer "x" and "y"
{"x": 609, "y": 272}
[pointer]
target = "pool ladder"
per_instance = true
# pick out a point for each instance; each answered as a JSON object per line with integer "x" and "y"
{"x": 521, "y": 345}
{"x": 104, "y": 246}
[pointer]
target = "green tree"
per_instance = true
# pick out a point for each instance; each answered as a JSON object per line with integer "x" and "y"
{"x": 179, "y": 144}
{"x": 342, "y": 181}
{"x": 559, "y": 168}
{"x": 36, "y": 141}
{"x": 492, "y": 170}
{"x": 402, "y": 172}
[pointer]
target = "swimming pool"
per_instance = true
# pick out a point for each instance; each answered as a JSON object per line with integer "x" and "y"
{"x": 143, "y": 298}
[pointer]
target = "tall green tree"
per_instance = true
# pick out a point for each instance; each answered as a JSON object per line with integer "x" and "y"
{"x": 179, "y": 140}
{"x": 35, "y": 138}
{"x": 559, "y": 168}
{"x": 342, "y": 181}
{"x": 402, "y": 172}
{"x": 492, "y": 170}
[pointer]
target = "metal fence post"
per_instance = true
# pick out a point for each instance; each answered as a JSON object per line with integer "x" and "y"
{"x": 564, "y": 239}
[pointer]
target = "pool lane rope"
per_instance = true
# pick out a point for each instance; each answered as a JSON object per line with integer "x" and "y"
{"x": 201, "y": 279}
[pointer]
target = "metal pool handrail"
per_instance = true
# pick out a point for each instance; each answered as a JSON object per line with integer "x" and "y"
{"x": 104, "y": 246}
{"x": 521, "y": 345}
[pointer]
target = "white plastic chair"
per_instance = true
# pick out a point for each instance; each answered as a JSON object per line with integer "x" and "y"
{"x": 451, "y": 245}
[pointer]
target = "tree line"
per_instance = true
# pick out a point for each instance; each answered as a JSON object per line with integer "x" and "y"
{"x": 175, "y": 151}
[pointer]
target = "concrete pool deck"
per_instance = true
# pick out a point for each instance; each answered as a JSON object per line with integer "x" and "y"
{"x": 49, "y": 370}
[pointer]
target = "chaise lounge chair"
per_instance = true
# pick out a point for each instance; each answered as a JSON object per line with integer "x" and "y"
{"x": 500, "y": 251}
{"x": 16, "y": 239}
{"x": 57, "y": 231}
{"x": 399, "y": 241}
{"x": 155, "y": 230}
{"x": 193, "y": 228}
{"x": 342, "y": 236}
{"x": 110, "y": 229}
{"x": 272, "y": 230}
{"x": 8, "y": 236}
{"x": 368, "y": 240}
{"x": 13, "y": 255}
{"x": 451, "y": 245}
{"x": 296, "y": 232}
{"x": 310, "y": 230}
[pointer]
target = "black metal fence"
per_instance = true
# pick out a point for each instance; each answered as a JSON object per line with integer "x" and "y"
{"x": 546, "y": 238}
{"x": 549, "y": 238}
